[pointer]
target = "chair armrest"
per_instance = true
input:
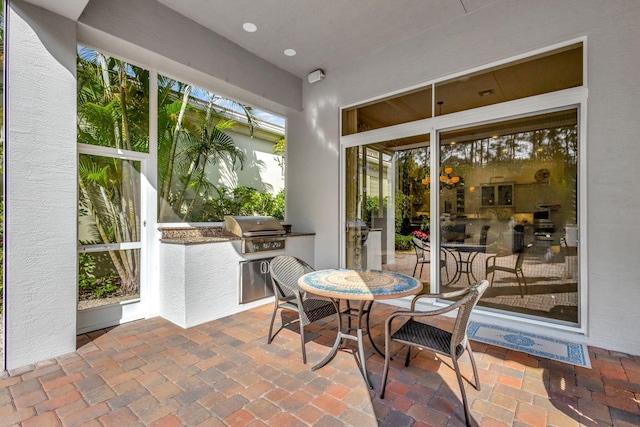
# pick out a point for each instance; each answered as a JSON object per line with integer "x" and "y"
{"x": 442, "y": 295}
{"x": 490, "y": 258}
{"x": 494, "y": 257}
{"x": 413, "y": 313}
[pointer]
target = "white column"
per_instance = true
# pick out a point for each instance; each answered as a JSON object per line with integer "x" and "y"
{"x": 41, "y": 186}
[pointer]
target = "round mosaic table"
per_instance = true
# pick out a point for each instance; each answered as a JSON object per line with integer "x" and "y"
{"x": 365, "y": 286}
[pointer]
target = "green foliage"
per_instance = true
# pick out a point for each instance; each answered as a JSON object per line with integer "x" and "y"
{"x": 372, "y": 206}
{"x": 192, "y": 139}
{"x": 113, "y": 111}
{"x": 88, "y": 284}
{"x": 403, "y": 209}
{"x": 279, "y": 150}
{"x": 403, "y": 243}
{"x": 244, "y": 201}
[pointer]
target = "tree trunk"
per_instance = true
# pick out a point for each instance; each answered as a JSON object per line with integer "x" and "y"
{"x": 166, "y": 191}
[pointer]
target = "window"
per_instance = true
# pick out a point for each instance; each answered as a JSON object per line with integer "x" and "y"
{"x": 216, "y": 157}
{"x": 544, "y": 73}
{"x": 501, "y": 194}
{"x": 504, "y": 194}
{"x": 113, "y": 139}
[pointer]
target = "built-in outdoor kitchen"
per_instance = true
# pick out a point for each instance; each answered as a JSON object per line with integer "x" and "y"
{"x": 208, "y": 272}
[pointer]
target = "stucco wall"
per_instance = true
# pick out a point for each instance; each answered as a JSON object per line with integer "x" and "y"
{"x": 505, "y": 29}
{"x": 261, "y": 168}
{"x": 40, "y": 234}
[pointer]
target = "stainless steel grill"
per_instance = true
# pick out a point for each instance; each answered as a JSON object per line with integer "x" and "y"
{"x": 257, "y": 233}
{"x": 357, "y": 234}
{"x": 543, "y": 226}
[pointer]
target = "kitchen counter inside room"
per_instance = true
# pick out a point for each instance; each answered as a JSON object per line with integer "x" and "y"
{"x": 200, "y": 272}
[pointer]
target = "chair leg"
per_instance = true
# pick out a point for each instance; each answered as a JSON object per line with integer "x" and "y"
{"x": 415, "y": 268}
{"x": 465, "y": 404}
{"x": 385, "y": 369}
{"x": 421, "y": 269}
{"x": 273, "y": 318}
{"x": 408, "y": 359}
{"x": 519, "y": 285}
{"x": 473, "y": 365}
{"x": 304, "y": 350}
{"x": 524, "y": 281}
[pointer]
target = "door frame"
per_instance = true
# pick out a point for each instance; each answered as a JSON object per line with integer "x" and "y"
{"x": 574, "y": 97}
{"x": 95, "y": 318}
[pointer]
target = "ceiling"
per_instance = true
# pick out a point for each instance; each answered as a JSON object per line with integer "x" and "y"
{"x": 324, "y": 33}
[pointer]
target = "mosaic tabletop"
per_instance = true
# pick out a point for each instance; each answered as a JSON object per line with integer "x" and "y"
{"x": 359, "y": 284}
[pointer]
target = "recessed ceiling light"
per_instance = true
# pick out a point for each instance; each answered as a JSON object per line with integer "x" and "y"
{"x": 249, "y": 27}
{"x": 289, "y": 52}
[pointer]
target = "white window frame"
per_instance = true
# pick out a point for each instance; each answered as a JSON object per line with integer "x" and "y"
{"x": 559, "y": 100}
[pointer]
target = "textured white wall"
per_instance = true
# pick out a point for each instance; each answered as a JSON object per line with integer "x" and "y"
{"x": 201, "y": 282}
{"x": 41, "y": 201}
{"x": 502, "y": 30}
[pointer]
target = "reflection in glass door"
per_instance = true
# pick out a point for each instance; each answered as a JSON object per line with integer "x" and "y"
{"x": 506, "y": 210}
{"x": 384, "y": 204}
{"x": 514, "y": 188}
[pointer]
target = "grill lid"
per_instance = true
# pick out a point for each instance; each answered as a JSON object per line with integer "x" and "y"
{"x": 252, "y": 226}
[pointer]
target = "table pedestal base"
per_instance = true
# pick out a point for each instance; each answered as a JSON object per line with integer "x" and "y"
{"x": 361, "y": 312}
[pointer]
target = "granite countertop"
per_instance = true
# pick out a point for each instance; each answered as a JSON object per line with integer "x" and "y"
{"x": 196, "y": 240}
{"x": 201, "y": 235}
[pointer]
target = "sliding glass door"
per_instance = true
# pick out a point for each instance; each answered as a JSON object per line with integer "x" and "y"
{"x": 505, "y": 208}
{"x": 508, "y": 198}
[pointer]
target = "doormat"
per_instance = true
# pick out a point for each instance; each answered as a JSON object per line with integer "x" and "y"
{"x": 537, "y": 345}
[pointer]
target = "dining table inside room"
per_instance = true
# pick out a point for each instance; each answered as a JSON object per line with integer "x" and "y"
{"x": 363, "y": 287}
{"x": 464, "y": 255}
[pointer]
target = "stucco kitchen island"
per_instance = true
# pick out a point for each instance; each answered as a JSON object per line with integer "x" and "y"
{"x": 200, "y": 272}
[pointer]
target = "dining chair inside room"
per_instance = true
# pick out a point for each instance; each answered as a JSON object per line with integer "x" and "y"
{"x": 484, "y": 233}
{"x": 491, "y": 267}
{"x": 285, "y": 272}
{"x": 423, "y": 252}
{"x": 419, "y": 332}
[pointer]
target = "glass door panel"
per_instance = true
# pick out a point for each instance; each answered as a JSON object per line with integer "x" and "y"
{"x": 385, "y": 204}
{"x": 514, "y": 185}
{"x": 113, "y": 143}
{"x": 109, "y": 231}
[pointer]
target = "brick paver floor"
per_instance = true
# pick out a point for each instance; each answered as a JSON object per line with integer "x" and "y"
{"x": 154, "y": 373}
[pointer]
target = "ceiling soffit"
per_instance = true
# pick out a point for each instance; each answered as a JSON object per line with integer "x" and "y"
{"x": 71, "y": 9}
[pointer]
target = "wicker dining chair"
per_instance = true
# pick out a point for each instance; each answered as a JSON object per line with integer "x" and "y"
{"x": 430, "y": 337}
{"x": 285, "y": 272}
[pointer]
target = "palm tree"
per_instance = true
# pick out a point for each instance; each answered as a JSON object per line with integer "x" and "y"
{"x": 191, "y": 137}
{"x": 112, "y": 112}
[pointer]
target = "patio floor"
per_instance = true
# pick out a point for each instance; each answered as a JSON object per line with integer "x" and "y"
{"x": 151, "y": 372}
